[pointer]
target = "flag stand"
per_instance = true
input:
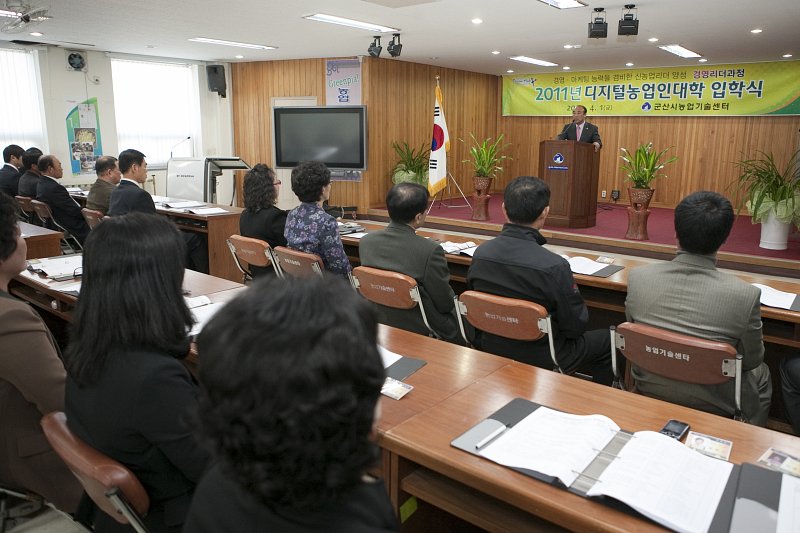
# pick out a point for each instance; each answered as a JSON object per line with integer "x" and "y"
{"x": 450, "y": 181}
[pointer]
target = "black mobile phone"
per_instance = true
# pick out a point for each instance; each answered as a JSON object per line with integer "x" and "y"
{"x": 675, "y": 429}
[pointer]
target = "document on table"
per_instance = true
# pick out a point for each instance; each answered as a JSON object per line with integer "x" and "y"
{"x": 457, "y": 247}
{"x": 196, "y": 301}
{"x": 202, "y": 315}
{"x": 357, "y": 235}
{"x": 60, "y": 267}
{"x": 789, "y": 507}
{"x": 185, "y": 204}
{"x": 551, "y": 442}
{"x": 584, "y": 265}
{"x": 389, "y": 358}
{"x": 775, "y": 298}
{"x": 206, "y": 210}
{"x": 666, "y": 481}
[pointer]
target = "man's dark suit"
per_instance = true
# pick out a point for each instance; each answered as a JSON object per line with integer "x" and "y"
{"x": 65, "y": 211}
{"x": 398, "y": 248}
{"x": 28, "y": 183}
{"x": 129, "y": 197}
{"x": 589, "y": 134}
{"x": 9, "y": 180}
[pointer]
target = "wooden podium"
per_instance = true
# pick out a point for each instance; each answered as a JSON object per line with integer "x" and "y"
{"x": 571, "y": 169}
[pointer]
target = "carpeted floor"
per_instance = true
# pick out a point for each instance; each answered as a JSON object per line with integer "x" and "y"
{"x": 612, "y": 222}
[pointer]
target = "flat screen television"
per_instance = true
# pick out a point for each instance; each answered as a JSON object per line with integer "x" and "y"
{"x": 336, "y": 136}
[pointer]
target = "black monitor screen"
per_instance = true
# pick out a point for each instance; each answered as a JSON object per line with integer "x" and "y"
{"x": 335, "y": 136}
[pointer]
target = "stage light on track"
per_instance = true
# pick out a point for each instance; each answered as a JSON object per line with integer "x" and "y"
{"x": 375, "y": 48}
{"x": 394, "y": 47}
{"x": 629, "y": 23}
{"x": 598, "y": 27}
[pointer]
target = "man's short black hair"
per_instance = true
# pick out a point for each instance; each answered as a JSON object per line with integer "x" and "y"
{"x": 308, "y": 180}
{"x": 12, "y": 150}
{"x": 582, "y": 107}
{"x": 405, "y": 201}
{"x": 128, "y": 158}
{"x": 525, "y": 198}
{"x": 31, "y": 157}
{"x": 703, "y": 221}
{"x": 104, "y": 163}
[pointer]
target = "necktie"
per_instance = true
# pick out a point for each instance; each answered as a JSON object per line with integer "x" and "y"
{"x": 578, "y": 130}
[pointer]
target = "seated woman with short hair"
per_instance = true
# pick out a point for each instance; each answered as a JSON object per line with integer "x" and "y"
{"x": 31, "y": 384}
{"x": 261, "y": 218}
{"x": 290, "y": 386}
{"x": 127, "y": 393}
{"x": 308, "y": 227}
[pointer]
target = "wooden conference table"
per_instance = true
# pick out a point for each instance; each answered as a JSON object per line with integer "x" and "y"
{"x": 50, "y": 296}
{"x": 780, "y": 326}
{"x": 42, "y": 242}
{"x": 419, "y": 461}
{"x": 217, "y": 228}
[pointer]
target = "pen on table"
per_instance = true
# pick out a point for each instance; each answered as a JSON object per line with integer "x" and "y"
{"x": 490, "y": 437}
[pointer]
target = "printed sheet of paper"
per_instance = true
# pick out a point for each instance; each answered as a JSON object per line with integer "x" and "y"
{"x": 789, "y": 507}
{"x": 666, "y": 481}
{"x": 389, "y": 357}
{"x": 207, "y": 210}
{"x": 584, "y": 265}
{"x": 775, "y": 298}
{"x": 202, "y": 315}
{"x": 553, "y": 443}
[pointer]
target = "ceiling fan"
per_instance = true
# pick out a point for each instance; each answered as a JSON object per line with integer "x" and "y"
{"x": 19, "y": 16}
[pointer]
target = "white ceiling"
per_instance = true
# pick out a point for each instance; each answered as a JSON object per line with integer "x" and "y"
{"x": 436, "y": 32}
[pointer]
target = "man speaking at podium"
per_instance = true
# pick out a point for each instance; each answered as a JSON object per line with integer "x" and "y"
{"x": 581, "y": 130}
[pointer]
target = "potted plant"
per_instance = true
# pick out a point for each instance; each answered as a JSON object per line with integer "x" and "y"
{"x": 772, "y": 196}
{"x": 486, "y": 157}
{"x": 642, "y": 167}
{"x": 412, "y": 164}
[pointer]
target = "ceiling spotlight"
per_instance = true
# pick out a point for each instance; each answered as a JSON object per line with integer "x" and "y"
{"x": 598, "y": 27}
{"x": 757, "y": 30}
{"x": 393, "y": 47}
{"x": 628, "y": 64}
{"x": 653, "y": 39}
{"x": 477, "y": 21}
{"x": 495, "y": 52}
{"x": 702, "y": 60}
{"x": 375, "y": 48}
{"x": 567, "y": 46}
{"x": 565, "y": 68}
{"x": 786, "y": 55}
{"x": 629, "y": 23}
{"x": 510, "y": 71}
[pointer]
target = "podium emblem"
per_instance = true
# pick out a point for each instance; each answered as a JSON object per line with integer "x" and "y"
{"x": 558, "y": 158}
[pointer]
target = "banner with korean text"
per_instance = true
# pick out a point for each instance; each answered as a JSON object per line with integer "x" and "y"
{"x": 736, "y": 89}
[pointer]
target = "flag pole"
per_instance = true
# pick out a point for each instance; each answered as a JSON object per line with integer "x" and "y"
{"x": 449, "y": 180}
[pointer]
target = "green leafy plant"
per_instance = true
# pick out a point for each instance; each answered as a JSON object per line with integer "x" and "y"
{"x": 644, "y": 165}
{"x": 412, "y": 164}
{"x": 486, "y": 155}
{"x": 767, "y": 187}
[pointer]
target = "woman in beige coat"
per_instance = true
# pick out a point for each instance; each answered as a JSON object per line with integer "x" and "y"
{"x": 31, "y": 384}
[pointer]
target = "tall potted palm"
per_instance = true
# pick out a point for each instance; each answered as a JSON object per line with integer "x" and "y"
{"x": 642, "y": 167}
{"x": 485, "y": 157}
{"x": 772, "y": 196}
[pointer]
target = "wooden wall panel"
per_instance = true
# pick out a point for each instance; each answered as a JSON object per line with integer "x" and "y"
{"x": 399, "y": 98}
{"x": 707, "y": 148}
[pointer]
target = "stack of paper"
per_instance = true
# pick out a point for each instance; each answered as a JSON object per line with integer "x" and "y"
{"x": 775, "y": 298}
{"x": 466, "y": 248}
{"x": 67, "y": 266}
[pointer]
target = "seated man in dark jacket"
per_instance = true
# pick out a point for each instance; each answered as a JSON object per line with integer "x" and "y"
{"x": 398, "y": 248}
{"x": 516, "y": 265}
{"x": 65, "y": 210}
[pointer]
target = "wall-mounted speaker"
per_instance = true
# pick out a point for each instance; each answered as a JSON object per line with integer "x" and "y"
{"x": 216, "y": 79}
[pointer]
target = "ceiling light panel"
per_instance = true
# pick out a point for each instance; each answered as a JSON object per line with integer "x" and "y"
{"x": 563, "y": 4}
{"x": 341, "y": 21}
{"x": 679, "y": 50}
{"x": 540, "y": 62}
{"x": 206, "y": 40}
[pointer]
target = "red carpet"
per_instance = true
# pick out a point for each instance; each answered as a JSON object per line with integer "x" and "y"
{"x": 612, "y": 222}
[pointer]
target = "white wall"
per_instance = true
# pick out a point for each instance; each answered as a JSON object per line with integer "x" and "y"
{"x": 63, "y": 88}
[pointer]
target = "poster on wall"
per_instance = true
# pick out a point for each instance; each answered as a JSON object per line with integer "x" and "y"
{"x": 735, "y": 89}
{"x": 83, "y": 135}
{"x": 343, "y": 87}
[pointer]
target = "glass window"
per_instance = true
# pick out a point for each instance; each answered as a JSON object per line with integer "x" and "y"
{"x": 156, "y": 107}
{"x": 21, "y": 117}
